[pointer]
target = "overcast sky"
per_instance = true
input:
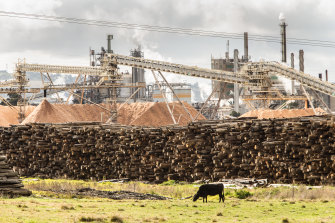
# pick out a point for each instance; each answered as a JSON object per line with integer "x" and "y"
{"x": 68, "y": 44}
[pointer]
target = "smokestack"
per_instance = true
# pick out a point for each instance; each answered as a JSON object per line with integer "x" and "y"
{"x": 326, "y": 75}
{"x": 301, "y": 61}
{"x": 283, "y": 36}
{"x": 109, "y": 45}
{"x": 292, "y": 66}
{"x": 320, "y": 76}
{"x": 246, "y": 46}
{"x": 227, "y": 52}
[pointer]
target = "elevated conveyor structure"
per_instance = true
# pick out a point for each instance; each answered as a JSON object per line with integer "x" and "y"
{"x": 304, "y": 79}
{"x": 193, "y": 71}
{"x": 7, "y": 83}
{"x": 45, "y": 68}
{"x": 251, "y": 74}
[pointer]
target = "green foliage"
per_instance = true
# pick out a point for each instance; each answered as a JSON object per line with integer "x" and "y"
{"x": 12, "y": 99}
{"x": 116, "y": 219}
{"x": 235, "y": 114}
{"x": 293, "y": 105}
{"x": 242, "y": 194}
{"x": 91, "y": 219}
{"x": 285, "y": 220}
{"x": 228, "y": 193}
{"x": 263, "y": 207}
{"x": 169, "y": 182}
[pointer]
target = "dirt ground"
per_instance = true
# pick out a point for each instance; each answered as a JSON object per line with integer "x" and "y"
{"x": 114, "y": 195}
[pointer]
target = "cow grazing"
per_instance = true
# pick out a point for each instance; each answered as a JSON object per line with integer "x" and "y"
{"x": 210, "y": 189}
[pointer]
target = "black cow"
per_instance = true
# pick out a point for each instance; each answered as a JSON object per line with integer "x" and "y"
{"x": 210, "y": 189}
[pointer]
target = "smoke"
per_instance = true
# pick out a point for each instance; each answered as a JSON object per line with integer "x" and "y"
{"x": 201, "y": 88}
{"x": 287, "y": 84}
{"x": 281, "y": 17}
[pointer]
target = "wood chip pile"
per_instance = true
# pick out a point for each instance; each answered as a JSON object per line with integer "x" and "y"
{"x": 283, "y": 113}
{"x": 10, "y": 183}
{"x": 299, "y": 150}
{"x": 139, "y": 114}
{"x": 9, "y": 115}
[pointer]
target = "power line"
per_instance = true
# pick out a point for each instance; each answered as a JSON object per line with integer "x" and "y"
{"x": 165, "y": 29}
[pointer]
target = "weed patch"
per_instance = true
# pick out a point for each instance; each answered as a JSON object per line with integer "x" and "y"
{"x": 242, "y": 194}
{"x": 65, "y": 207}
{"x": 91, "y": 219}
{"x": 117, "y": 219}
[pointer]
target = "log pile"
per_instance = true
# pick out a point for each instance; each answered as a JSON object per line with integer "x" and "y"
{"x": 10, "y": 183}
{"x": 299, "y": 150}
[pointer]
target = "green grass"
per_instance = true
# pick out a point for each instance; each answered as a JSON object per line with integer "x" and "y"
{"x": 35, "y": 209}
{"x": 257, "y": 205}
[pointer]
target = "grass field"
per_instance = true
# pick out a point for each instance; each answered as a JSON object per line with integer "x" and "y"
{"x": 257, "y": 205}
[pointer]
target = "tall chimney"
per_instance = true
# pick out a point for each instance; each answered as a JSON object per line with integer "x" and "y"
{"x": 283, "y": 37}
{"x": 227, "y": 51}
{"x": 109, "y": 44}
{"x": 326, "y": 75}
{"x": 320, "y": 76}
{"x": 301, "y": 61}
{"x": 246, "y": 46}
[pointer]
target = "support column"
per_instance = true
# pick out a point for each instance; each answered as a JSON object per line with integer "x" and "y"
{"x": 292, "y": 66}
{"x": 236, "y": 86}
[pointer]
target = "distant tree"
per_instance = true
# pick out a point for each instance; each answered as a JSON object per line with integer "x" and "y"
{"x": 235, "y": 114}
{"x": 293, "y": 105}
{"x": 75, "y": 100}
{"x": 13, "y": 98}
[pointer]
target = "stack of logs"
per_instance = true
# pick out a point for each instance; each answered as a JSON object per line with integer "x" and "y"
{"x": 299, "y": 150}
{"x": 10, "y": 183}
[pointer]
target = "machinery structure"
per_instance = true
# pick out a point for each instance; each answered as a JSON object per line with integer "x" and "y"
{"x": 253, "y": 75}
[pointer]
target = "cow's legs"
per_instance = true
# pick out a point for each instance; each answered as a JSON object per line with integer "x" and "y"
{"x": 221, "y": 197}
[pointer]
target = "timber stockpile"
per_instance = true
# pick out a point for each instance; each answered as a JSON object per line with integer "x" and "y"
{"x": 10, "y": 183}
{"x": 299, "y": 150}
